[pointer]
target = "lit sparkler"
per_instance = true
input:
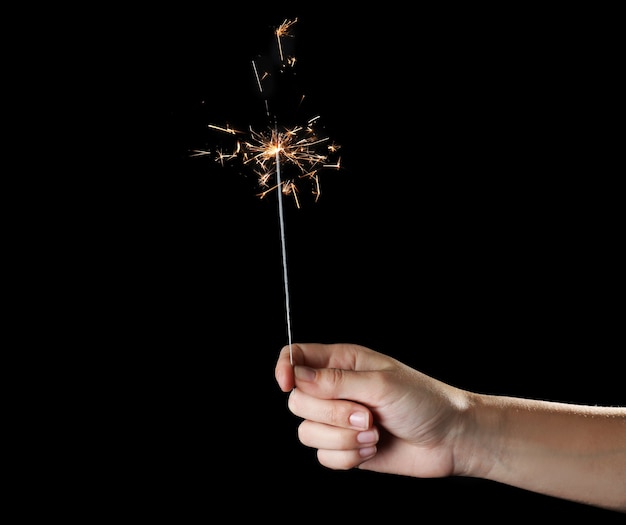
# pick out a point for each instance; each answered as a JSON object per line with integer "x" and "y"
{"x": 282, "y": 158}
{"x": 297, "y": 148}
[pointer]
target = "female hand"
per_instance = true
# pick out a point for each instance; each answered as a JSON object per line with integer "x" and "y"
{"x": 362, "y": 408}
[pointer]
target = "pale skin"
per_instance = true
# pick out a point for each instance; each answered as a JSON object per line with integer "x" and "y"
{"x": 363, "y": 409}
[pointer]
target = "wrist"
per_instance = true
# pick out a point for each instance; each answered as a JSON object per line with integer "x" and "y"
{"x": 479, "y": 430}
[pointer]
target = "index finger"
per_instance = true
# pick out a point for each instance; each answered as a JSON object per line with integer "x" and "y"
{"x": 283, "y": 372}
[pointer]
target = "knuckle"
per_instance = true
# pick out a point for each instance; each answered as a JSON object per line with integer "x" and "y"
{"x": 337, "y": 413}
{"x": 336, "y": 376}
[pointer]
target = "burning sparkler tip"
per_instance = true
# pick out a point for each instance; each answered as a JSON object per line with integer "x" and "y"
{"x": 297, "y": 149}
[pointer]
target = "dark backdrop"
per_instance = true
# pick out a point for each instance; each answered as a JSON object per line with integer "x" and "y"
{"x": 471, "y": 232}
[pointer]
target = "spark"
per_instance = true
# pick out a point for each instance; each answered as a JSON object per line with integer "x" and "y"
{"x": 226, "y": 129}
{"x": 302, "y": 152}
{"x": 200, "y": 152}
{"x": 283, "y": 31}
{"x": 298, "y": 149}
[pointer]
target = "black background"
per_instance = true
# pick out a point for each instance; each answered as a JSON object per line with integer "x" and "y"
{"x": 472, "y": 232}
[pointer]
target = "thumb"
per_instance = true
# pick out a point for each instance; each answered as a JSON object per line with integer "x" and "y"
{"x": 337, "y": 383}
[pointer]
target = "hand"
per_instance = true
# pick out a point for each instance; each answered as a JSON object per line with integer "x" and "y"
{"x": 365, "y": 409}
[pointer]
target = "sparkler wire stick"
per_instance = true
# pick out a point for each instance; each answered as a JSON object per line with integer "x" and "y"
{"x": 283, "y": 244}
{"x": 297, "y": 146}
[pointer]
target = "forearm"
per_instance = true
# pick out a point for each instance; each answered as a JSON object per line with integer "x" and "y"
{"x": 568, "y": 451}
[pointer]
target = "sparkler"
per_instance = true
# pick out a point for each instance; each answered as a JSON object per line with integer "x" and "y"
{"x": 298, "y": 150}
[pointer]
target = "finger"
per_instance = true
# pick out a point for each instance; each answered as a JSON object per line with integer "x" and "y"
{"x": 345, "y": 459}
{"x": 339, "y": 355}
{"x": 318, "y": 435}
{"x": 337, "y": 412}
{"x": 314, "y": 355}
{"x": 317, "y": 355}
{"x": 283, "y": 372}
{"x": 367, "y": 387}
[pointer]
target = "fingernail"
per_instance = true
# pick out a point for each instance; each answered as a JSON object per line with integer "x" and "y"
{"x": 304, "y": 373}
{"x": 366, "y": 452}
{"x": 358, "y": 419}
{"x": 369, "y": 436}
